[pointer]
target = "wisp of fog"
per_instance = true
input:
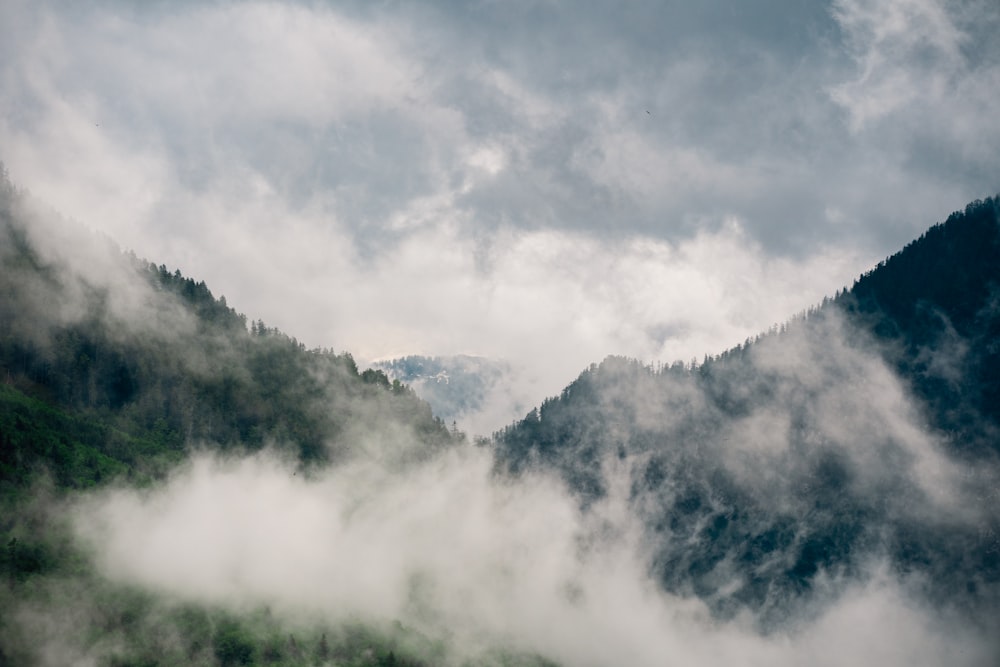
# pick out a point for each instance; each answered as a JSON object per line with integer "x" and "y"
{"x": 447, "y": 547}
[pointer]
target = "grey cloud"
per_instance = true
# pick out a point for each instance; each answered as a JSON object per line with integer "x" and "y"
{"x": 729, "y": 97}
{"x": 291, "y": 166}
{"x": 775, "y": 473}
{"x": 452, "y": 553}
{"x": 754, "y": 109}
{"x": 484, "y": 178}
{"x": 79, "y": 268}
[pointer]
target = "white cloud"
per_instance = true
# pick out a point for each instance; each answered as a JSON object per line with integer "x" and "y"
{"x": 225, "y": 64}
{"x": 456, "y": 554}
{"x": 908, "y": 53}
{"x": 384, "y": 183}
{"x": 552, "y": 302}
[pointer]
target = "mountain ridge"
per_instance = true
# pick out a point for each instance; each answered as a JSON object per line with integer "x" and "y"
{"x": 784, "y": 461}
{"x": 157, "y": 355}
{"x": 852, "y": 445}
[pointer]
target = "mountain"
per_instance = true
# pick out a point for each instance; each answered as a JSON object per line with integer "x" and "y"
{"x": 142, "y": 362}
{"x": 934, "y": 308}
{"x": 458, "y": 388}
{"x": 116, "y": 373}
{"x": 863, "y": 431}
{"x": 182, "y": 485}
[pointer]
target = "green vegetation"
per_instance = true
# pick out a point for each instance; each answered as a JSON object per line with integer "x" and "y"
{"x": 793, "y": 458}
{"x": 934, "y": 305}
{"x": 110, "y": 382}
{"x": 102, "y": 380}
{"x": 106, "y": 384}
{"x": 118, "y": 626}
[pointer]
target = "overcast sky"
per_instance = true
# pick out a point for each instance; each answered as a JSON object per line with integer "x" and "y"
{"x": 547, "y": 182}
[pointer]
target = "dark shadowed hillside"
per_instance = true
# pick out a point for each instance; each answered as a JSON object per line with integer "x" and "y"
{"x": 935, "y": 307}
{"x": 456, "y": 387}
{"x": 118, "y": 365}
{"x": 862, "y": 432}
{"x": 112, "y": 372}
{"x": 180, "y": 486}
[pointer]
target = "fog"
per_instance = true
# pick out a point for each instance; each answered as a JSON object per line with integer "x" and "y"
{"x": 79, "y": 267}
{"x": 545, "y": 187}
{"x": 544, "y": 184}
{"x": 447, "y": 544}
{"x": 447, "y": 548}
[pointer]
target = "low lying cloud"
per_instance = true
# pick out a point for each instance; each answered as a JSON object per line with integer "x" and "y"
{"x": 449, "y": 549}
{"x": 429, "y": 180}
{"x": 79, "y": 270}
{"x": 552, "y": 302}
{"x": 547, "y": 302}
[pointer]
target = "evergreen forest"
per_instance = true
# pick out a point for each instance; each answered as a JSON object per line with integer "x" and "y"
{"x": 759, "y": 484}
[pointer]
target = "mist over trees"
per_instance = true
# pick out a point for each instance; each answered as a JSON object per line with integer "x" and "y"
{"x": 114, "y": 370}
{"x": 459, "y": 388}
{"x": 863, "y": 429}
{"x": 143, "y": 370}
{"x": 180, "y": 484}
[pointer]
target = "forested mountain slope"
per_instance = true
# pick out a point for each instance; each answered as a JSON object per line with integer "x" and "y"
{"x": 143, "y": 362}
{"x": 177, "y": 487}
{"x": 935, "y": 307}
{"x": 112, "y": 372}
{"x": 864, "y": 431}
{"x": 457, "y": 387}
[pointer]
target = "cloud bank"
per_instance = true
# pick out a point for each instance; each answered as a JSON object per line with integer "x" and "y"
{"x": 400, "y": 178}
{"x": 821, "y": 440}
{"x": 452, "y": 551}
